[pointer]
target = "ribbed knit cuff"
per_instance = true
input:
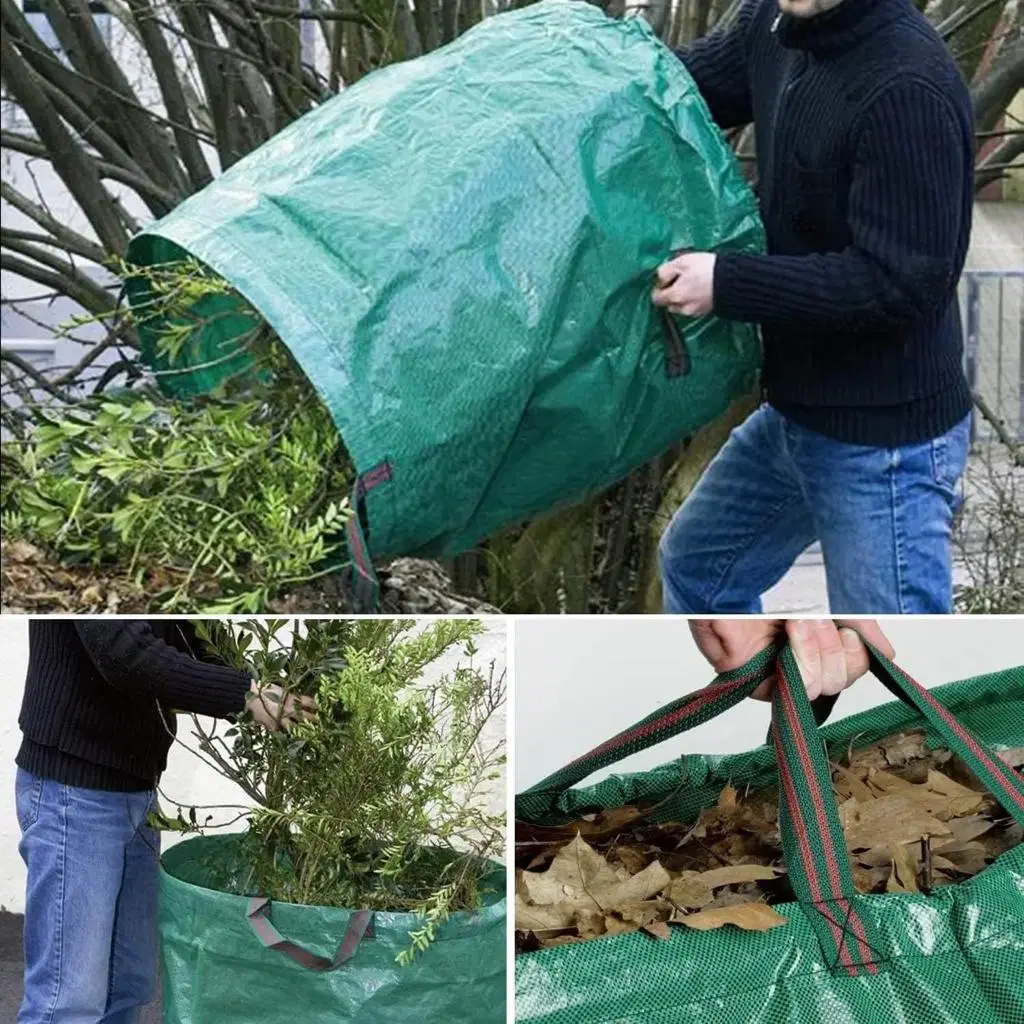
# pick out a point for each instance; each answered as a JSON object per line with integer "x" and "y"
{"x": 742, "y": 290}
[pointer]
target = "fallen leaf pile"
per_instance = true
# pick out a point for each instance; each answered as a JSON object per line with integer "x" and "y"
{"x": 913, "y": 818}
{"x": 33, "y": 582}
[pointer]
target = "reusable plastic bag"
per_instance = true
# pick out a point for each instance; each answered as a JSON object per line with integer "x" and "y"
{"x": 953, "y": 957}
{"x": 230, "y": 959}
{"x": 459, "y": 252}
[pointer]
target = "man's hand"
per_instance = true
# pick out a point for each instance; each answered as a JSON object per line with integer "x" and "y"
{"x": 830, "y": 656}
{"x": 274, "y": 709}
{"x": 687, "y": 284}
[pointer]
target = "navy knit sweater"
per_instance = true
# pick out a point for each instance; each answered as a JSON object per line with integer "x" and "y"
{"x": 100, "y": 696}
{"x": 865, "y": 149}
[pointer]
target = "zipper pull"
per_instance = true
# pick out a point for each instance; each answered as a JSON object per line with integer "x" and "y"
{"x": 775, "y": 23}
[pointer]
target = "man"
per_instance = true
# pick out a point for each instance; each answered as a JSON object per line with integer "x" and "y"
{"x": 98, "y": 722}
{"x": 864, "y": 136}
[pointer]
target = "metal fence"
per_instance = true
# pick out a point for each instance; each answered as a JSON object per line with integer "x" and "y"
{"x": 994, "y": 347}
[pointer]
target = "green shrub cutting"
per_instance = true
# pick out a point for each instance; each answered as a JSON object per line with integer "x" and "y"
{"x": 214, "y": 503}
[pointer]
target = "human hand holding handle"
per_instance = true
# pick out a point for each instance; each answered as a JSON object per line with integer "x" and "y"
{"x": 829, "y": 653}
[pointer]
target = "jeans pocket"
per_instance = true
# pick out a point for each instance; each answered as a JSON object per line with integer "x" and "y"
{"x": 949, "y": 455}
{"x": 28, "y": 796}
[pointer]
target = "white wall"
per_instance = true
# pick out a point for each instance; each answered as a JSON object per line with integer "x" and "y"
{"x": 187, "y": 780}
{"x": 580, "y": 681}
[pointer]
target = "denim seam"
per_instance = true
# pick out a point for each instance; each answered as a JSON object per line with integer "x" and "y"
{"x": 713, "y": 593}
{"x": 59, "y": 909}
{"x": 897, "y": 536}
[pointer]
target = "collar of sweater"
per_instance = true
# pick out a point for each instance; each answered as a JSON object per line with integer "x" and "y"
{"x": 839, "y": 29}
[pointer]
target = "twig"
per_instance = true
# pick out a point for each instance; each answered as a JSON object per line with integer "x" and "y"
{"x": 999, "y": 426}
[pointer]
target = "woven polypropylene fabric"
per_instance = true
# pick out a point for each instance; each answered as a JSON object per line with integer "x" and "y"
{"x": 953, "y": 957}
{"x": 459, "y": 252}
{"x": 216, "y": 969}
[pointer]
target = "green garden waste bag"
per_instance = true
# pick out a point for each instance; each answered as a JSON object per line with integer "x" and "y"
{"x": 459, "y": 252}
{"x": 230, "y": 959}
{"x": 953, "y": 957}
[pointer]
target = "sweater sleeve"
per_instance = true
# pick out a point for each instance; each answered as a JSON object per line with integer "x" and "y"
{"x": 718, "y": 64}
{"x": 131, "y": 658}
{"x": 905, "y": 215}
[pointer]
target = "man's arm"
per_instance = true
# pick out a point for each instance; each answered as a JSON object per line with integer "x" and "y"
{"x": 905, "y": 215}
{"x": 131, "y": 658}
{"x": 718, "y": 64}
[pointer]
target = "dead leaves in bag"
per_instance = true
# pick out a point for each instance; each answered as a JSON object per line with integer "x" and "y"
{"x": 913, "y": 819}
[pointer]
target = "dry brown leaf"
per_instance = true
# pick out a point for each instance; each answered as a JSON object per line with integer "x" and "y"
{"x": 659, "y": 929}
{"x": 876, "y": 857}
{"x": 963, "y": 830}
{"x": 589, "y": 923}
{"x": 736, "y": 874}
{"x": 577, "y": 868}
{"x": 904, "y": 747}
{"x": 849, "y": 784}
{"x": 959, "y": 799}
{"x": 690, "y": 891}
{"x": 894, "y": 818}
{"x": 756, "y": 917}
{"x": 609, "y": 822}
{"x": 542, "y": 919}
{"x": 640, "y": 887}
{"x": 727, "y": 798}
{"x": 642, "y": 914}
{"x": 615, "y": 926}
{"x": 871, "y": 879}
{"x": 904, "y": 871}
{"x": 632, "y": 858}
{"x": 618, "y": 872}
{"x": 966, "y": 858}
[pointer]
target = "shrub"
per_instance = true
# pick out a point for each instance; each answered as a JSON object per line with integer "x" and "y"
{"x": 382, "y": 800}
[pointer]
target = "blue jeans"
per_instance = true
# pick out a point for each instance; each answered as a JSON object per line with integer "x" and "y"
{"x": 91, "y": 903}
{"x": 883, "y": 516}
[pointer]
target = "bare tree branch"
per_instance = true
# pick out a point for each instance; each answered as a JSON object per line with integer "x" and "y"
{"x": 76, "y": 28}
{"x": 70, "y": 240}
{"x": 162, "y": 61}
{"x": 993, "y": 94}
{"x": 75, "y": 286}
{"x": 8, "y": 355}
{"x": 71, "y": 162}
{"x": 999, "y": 426}
{"x": 218, "y": 82}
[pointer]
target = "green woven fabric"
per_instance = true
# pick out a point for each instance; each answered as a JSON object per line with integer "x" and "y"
{"x": 216, "y": 971}
{"x": 459, "y": 252}
{"x": 955, "y": 956}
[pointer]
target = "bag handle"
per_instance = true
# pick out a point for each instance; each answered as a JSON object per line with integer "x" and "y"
{"x": 1002, "y": 781}
{"x": 728, "y": 689}
{"x": 360, "y": 927}
{"x": 677, "y": 355}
